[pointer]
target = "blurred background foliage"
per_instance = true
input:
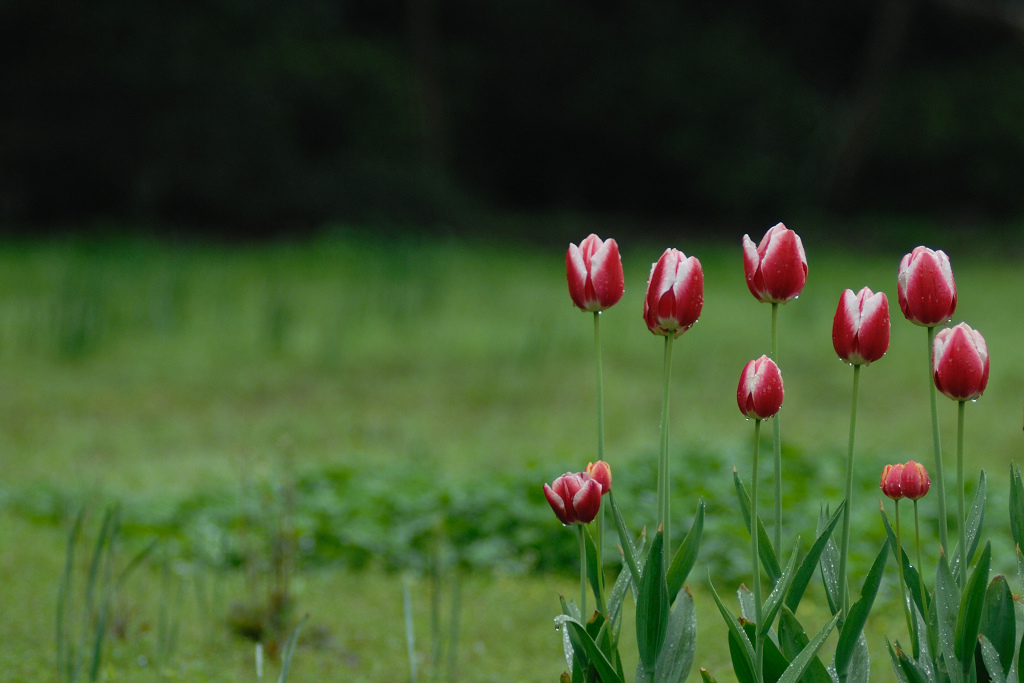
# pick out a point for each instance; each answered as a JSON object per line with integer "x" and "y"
{"x": 242, "y": 118}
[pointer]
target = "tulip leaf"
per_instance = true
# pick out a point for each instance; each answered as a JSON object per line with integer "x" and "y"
{"x": 853, "y": 625}
{"x": 583, "y": 642}
{"x": 998, "y": 621}
{"x": 806, "y": 570}
{"x": 774, "y": 601}
{"x": 735, "y": 630}
{"x": 652, "y": 609}
{"x": 595, "y": 569}
{"x": 748, "y": 609}
{"x": 910, "y": 573}
{"x": 741, "y": 666}
{"x": 829, "y": 564}
{"x": 972, "y": 604}
{"x": 906, "y": 668}
{"x": 860, "y": 663}
{"x": 1016, "y": 505}
{"x": 975, "y": 517}
{"x": 808, "y": 655}
{"x": 994, "y": 668}
{"x": 775, "y": 663}
{"x": 680, "y": 648}
{"x": 625, "y": 542}
{"x": 707, "y": 677}
{"x": 769, "y": 560}
{"x": 686, "y": 556}
{"x": 617, "y": 595}
{"x": 947, "y": 601}
{"x": 793, "y": 639}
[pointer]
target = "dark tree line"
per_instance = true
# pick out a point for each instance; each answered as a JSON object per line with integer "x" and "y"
{"x": 253, "y": 115}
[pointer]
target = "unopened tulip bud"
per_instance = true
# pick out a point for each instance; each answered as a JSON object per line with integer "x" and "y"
{"x": 892, "y": 479}
{"x": 960, "y": 363}
{"x": 594, "y": 272}
{"x": 675, "y": 294}
{"x": 914, "y": 481}
{"x": 925, "y": 287}
{"x": 574, "y": 497}
{"x": 759, "y": 394}
{"x": 860, "y": 330}
{"x": 601, "y": 472}
{"x": 776, "y": 269}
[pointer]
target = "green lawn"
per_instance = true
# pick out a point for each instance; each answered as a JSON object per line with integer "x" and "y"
{"x": 149, "y": 373}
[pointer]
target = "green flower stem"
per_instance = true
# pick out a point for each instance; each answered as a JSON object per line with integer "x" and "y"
{"x": 663, "y": 470}
{"x": 777, "y": 438}
{"x": 961, "y": 514}
{"x": 583, "y": 572}
{"x": 600, "y": 431}
{"x": 755, "y": 558}
{"x": 940, "y": 483}
{"x": 844, "y": 553}
{"x": 917, "y": 541}
{"x": 903, "y": 582}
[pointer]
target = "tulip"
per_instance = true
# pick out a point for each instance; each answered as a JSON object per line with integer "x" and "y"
{"x": 601, "y": 472}
{"x": 675, "y": 294}
{"x": 759, "y": 394}
{"x": 860, "y": 330}
{"x": 927, "y": 292}
{"x": 960, "y": 363}
{"x": 594, "y": 272}
{"x": 914, "y": 482}
{"x": 575, "y": 498}
{"x": 776, "y": 269}
{"x": 892, "y": 480}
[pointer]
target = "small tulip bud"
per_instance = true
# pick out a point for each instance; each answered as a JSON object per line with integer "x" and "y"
{"x": 960, "y": 363}
{"x": 776, "y": 269}
{"x": 914, "y": 482}
{"x": 575, "y": 498}
{"x": 892, "y": 478}
{"x": 601, "y": 472}
{"x": 675, "y": 294}
{"x": 860, "y": 330}
{"x": 594, "y": 272}
{"x": 925, "y": 287}
{"x": 759, "y": 394}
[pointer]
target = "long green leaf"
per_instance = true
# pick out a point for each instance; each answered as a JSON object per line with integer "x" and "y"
{"x": 289, "y": 650}
{"x": 582, "y": 640}
{"x": 971, "y": 605}
{"x": 734, "y": 626}
{"x": 998, "y": 621}
{"x": 743, "y": 669}
{"x": 680, "y": 648}
{"x": 853, "y": 625}
{"x": 707, "y": 677}
{"x": 652, "y": 608}
{"x": 769, "y": 560}
{"x": 595, "y": 570}
{"x": 686, "y": 556}
{"x": 1016, "y": 505}
{"x": 793, "y": 639}
{"x": 904, "y": 666}
{"x": 774, "y": 601}
{"x": 626, "y": 543}
{"x": 947, "y": 605}
{"x": 803, "y": 660}
{"x": 910, "y": 573}
{"x": 803, "y": 575}
{"x": 975, "y": 518}
{"x": 829, "y": 564}
{"x": 993, "y": 662}
{"x": 775, "y": 663}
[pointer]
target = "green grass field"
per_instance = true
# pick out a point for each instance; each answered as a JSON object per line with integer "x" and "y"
{"x": 150, "y": 374}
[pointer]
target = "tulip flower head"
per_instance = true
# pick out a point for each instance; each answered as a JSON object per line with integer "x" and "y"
{"x": 776, "y": 269}
{"x": 675, "y": 294}
{"x": 759, "y": 394}
{"x": 960, "y": 363}
{"x": 575, "y": 498}
{"x": 892, "y": 481}
{"x": 594, "y": 272}
{"x": 914, "y": 482}
{"x": 601, "y": 472}
{"x": 860, "y": 330}
{"x": 925, "y": 286}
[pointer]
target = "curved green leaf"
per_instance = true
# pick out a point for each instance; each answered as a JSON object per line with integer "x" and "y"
{"x": 972, "y": 603}
{"x": 806, "y": 570}
{"x": 829, "y": 564}
{"x": 652, "y": 607}
{"x": 677, "y": 655}
{"x": 769, "y": 560}
{"x": 905, "y": 667}
{"x": 993, "y": 663}
{"x": 947, "y": 601}
{"x": 975, "y": 518}
{"x": 774, "y": 601}
{"x": 735, "y": 629}
{"x": 1016, "y": 505}
{"x": 793, "y": 639}
{"x": 998, "y": 621}
{"x": 858, "y": 616}
{"x": 686, "y": 556}
{"x": 581, "y": 641}
{"x": 803, "y": 660}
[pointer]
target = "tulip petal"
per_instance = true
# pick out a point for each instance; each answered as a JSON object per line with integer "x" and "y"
{"x": 557, "y": 504}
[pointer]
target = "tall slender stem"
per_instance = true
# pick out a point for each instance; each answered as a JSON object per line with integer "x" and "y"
{"x": 903, "y": 583}
{"x": 961, "y": 514}
{"x": 583, "y": 573}
{"x": 940, "y": 483}
{"x": 777, "y": 438}
{"x": 600, "y": 432}
{"x": 845, "y": 552}
{"x": 755, "y": 558}
{"x": 664, "y": 504}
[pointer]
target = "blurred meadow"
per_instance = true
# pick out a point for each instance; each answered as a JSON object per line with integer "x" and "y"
{"x": 306, "y": 427}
